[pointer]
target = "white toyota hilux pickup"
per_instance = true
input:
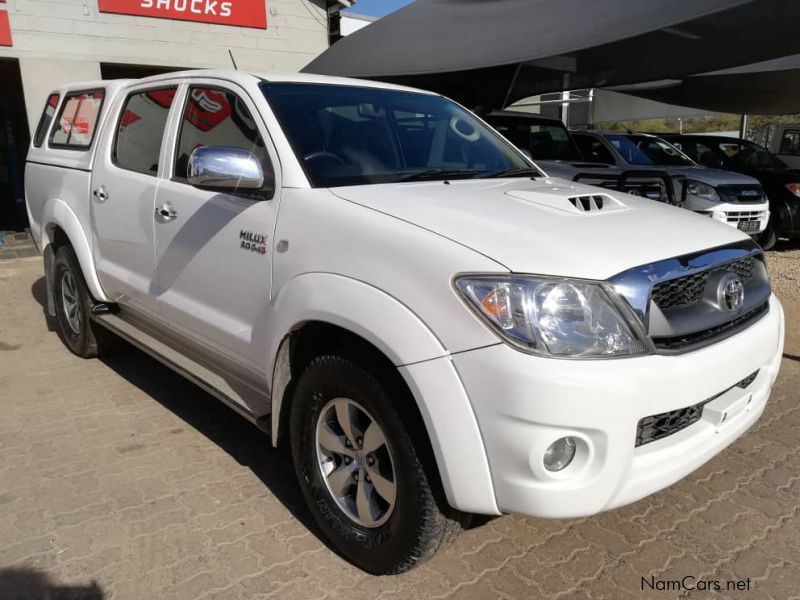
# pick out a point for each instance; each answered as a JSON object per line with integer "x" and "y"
{"x": 434, "y": 326}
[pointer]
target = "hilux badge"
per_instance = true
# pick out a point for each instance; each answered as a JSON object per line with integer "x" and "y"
{"x": 254, "y": 242}
{"x": 731, "y": 292}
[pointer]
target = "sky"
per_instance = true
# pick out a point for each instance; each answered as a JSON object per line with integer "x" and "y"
{"x": 378, "y": 8}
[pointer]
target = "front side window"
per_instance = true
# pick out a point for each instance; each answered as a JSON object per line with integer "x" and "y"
{"x": 217, "y": 117}
{"x": 77, "y": 120}
{"x": 47, "y": 118}
{"x": 642, "y": 150}
{"x": 348, "y": 135}
{"x": 545, "y": 141}
{"x": 137, "y": 146}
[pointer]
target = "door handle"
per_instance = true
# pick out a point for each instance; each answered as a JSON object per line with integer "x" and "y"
{"x": 101, "y": 194}
{"x": 166, "y": 212}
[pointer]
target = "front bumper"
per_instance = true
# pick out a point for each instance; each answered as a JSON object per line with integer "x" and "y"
{"x": 523, "y": 403}
{"x": 734, "y": 214}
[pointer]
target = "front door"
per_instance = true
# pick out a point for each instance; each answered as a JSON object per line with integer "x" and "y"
{"x": 214, "y": 250}
{"x": 124, "y": 183}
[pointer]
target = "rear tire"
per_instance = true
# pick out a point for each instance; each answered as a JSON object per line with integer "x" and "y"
{"x": 73, "y": 305}
{"x": 397, "y": 526}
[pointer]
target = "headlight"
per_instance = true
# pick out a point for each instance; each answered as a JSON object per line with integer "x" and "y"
{"x": 555, "y": 317}
{"x": 701, "y": 190}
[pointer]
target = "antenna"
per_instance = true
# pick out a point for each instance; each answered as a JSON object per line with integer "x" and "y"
{"x": 233, "y": 60}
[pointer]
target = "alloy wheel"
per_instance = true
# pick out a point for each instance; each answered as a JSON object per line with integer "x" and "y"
{"x": 70, "y": 302}
{"x": 356, "y": 462}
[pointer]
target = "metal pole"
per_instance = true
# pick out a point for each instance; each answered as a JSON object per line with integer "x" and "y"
{"x": 565, "y": 95}
{"x": 742, "y": 126}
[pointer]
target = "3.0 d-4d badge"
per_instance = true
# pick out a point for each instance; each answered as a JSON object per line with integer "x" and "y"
{"x": 255, "y": 242}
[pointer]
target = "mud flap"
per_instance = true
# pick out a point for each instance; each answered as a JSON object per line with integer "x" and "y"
{"x": 49, "y": 260}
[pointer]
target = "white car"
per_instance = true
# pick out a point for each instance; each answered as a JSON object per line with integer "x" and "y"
{"x": 380, "y": 280}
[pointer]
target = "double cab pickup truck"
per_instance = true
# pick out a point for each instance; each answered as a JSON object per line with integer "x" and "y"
{"x": 386, "y": 285}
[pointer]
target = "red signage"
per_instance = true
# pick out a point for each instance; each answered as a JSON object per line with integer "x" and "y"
{"x": 5, "y": 29}
{"x": 241, "y": 13}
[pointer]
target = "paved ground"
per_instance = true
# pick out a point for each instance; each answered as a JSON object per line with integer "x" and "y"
{"x": 118, "y": 479}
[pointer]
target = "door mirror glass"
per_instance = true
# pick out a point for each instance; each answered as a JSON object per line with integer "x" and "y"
{"x": 225, "y": 169}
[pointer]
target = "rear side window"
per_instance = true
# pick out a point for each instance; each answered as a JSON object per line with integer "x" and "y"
{"x": 137, "y": 146}
{"x": 216, "y": 117}
{"x": 77, "y": 120}
{"x": 790, "y": 143}
{"x": 593, "y": 150}
{"x": 47, "y": 118}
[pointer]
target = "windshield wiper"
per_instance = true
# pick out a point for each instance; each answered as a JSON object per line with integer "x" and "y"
{"x": 515, "y": 172}
{"x": 438, "y": 174}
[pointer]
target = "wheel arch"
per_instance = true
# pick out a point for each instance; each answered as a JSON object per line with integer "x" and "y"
{"x": 333, "y": 313}
{"x": 62, "y": 226}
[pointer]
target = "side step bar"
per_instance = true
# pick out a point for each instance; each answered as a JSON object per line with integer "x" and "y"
{"x": 195, "y": 372}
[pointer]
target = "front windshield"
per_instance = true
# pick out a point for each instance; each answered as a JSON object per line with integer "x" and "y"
{"x": 544, "y": 140}
{"x": 745, "y": 154}
{"x": 643, "y": 150}
{"x": 348, "y": 135}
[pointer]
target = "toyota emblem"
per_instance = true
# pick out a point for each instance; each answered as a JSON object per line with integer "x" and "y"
{"x": 731, "y": 292}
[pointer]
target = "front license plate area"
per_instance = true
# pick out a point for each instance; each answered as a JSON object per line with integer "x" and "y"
{"x": 749, "y": 226}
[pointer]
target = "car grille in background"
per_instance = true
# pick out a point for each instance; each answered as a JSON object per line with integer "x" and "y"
{"x": 688, "y": 290}
{"x": 746, "y": 215}
{"x": 656, "y": 427}
{"x": 741, "y": 193}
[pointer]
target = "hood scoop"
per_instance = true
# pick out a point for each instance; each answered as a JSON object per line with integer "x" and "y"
{"x": 583, "y": 204}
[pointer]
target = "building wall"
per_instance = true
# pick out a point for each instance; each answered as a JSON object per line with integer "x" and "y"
{"x": 61, "y": 41}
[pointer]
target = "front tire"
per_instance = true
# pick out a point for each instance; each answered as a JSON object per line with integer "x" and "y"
{"x": 73, "y": 305}
{"x": 360, "y": 471}
{"x": 768, "y": 238}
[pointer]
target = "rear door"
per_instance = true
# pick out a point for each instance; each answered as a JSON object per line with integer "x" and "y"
{"x": 214, "y": 253}
{"x": 124, "y": 183}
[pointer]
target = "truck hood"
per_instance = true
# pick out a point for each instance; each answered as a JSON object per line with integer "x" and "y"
{"x": 532, "y": 226}
{"x": 712, "y": 177}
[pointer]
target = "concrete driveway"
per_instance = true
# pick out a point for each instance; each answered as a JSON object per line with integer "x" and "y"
{"x": 119, "y": 479}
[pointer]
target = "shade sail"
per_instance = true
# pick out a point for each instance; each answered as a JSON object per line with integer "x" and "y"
{"x": 765, "y": 88}
{"x": 492, "y": 52}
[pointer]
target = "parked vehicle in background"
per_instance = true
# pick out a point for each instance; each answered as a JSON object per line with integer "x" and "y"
{"x": 780, "y": 183}
{"x": 725, "y": 196}
{"x": 547, "y": 141}
{"x": 391, "y": 289}
{"x": 783, "y": 140}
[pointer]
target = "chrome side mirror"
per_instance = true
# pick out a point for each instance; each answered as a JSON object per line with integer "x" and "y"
{"x": 225, "y": 169}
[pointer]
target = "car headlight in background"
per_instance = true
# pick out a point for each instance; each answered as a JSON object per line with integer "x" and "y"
{"x": 794, "y": 188}
{"x": 701, "y": 190}
{"x": 555, "y": 317}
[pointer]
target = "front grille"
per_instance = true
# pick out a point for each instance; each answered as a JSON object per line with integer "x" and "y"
{"x": 688, "y": 290}
{"x": 745, "y": 216}
{"x": 748, "y": 194}
{"x": 656, "y": 427}
{"x": 681, "y": 342}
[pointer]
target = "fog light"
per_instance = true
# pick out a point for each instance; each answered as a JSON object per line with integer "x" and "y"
{"x": 559, "y": 454}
